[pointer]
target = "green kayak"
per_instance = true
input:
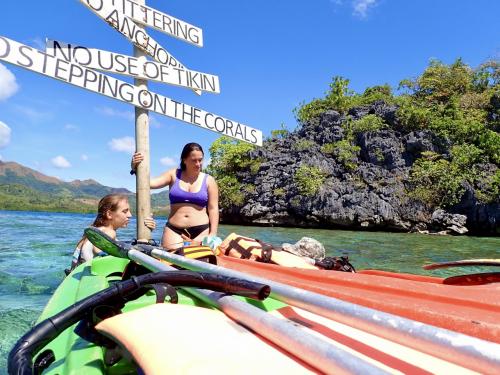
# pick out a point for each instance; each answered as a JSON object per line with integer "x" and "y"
{"x": 131, "y": 313}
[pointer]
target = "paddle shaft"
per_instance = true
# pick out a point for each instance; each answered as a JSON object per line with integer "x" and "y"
{"x": 311, "y": 349}
{"x": 420, "y": 336}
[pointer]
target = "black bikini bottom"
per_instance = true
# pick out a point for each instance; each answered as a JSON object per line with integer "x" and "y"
{"x": 191, "y": 232}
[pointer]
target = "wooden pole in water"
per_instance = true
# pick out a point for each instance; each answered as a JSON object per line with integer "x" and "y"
{"x": 143, "y": 208}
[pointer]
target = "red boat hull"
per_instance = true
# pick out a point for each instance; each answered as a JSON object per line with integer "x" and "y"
{"x": 467, "y": 307}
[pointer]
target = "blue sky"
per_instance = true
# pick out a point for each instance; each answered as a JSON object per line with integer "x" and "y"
{"x": 269, "y": 56}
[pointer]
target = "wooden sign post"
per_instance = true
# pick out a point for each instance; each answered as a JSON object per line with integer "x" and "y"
{"x": 143, "y": 208}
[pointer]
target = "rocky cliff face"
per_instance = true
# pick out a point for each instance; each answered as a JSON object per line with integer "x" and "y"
{"x": 373, "y": 195}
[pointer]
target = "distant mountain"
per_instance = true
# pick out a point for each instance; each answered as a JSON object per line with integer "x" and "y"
{"x": 14, "y": 173}
{"x": 23, "y": 188}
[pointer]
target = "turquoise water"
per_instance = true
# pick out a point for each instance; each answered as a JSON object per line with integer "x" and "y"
{"x": 36, "y": 247}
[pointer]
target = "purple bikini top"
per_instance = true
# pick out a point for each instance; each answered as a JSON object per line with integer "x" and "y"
{"x": 177, "y": 195}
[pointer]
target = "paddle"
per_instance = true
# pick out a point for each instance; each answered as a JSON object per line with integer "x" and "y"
{"x": 473, "y": 279}
{"x": 423, "y": 337}
{"x": 311, "y": 349}
{"x": 463, "y": 263}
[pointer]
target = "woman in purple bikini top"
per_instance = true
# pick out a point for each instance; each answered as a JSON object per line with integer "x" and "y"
{"x": 193, "y": 214}
{"x": 178, "y": 195}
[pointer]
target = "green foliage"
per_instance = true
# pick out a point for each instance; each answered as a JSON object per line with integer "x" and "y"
{"x": 440, "y": 182}
{"x": 486, "y": 75}
{"x": 279, "y": 192}
{"x": 490, "y": 187}
{"x": 440, "y": 82}
{"x": 338, "y": 98}
{"x": 453, "y": 101}
{"x": 309, "y": 179}
{"x": 413, "y": 116}
{"x": 436, "y": 182}
{"x": 328, "y": 148}
{"x": 346, "y": 153}
{"x": 367, "y": 123}
{"x": 376, "y": 93}
{"x": 254, "y": 166}
{"x": 249, "y": 188}
{"x": 307, "y": 111}
{"x": 230, "y": 191}
{"x": 280, "y": 133}
{"x": 229, "y": 155}
{"x": 465, "y": 156}
{"x": 303, "y": 144}
{"x": 23, "y": 198}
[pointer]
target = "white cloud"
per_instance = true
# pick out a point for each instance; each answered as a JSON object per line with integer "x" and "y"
{"x": 71, "y": 127}
{"x": 168, "y": 161}
{"x": 1, "y": 158}
{"x": 125, "y": 144}
{"x": 84, "y": 157}
{"x": 127, "y": 115}
{"x": 33, "y": 114}
{"x": 4, "y": 135}
{"x": 361, "y": 7}
{"x": 8, "y": 84}
{"x": 60, "y": 162}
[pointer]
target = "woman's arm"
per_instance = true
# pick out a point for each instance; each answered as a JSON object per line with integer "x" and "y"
{"x": 157, "y": 182}
{"x": 165, "y": 179}
{"x": 213, "y": 205}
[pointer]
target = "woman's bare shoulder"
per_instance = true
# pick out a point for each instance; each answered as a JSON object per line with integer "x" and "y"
{"x": 210, "y": 179}
{"x": 172, "y": 173}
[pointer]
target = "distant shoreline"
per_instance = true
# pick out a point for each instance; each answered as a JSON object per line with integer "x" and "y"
{"x": 86, "y": 212}
{"x": 260, "y": 225}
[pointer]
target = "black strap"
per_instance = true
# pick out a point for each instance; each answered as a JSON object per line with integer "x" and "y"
{"x": 266, "y": 249}
{"x": 233, "y": 244}
{"x": 163, "y": 290}
{"x": 266, "y": 254}
{"x": 336, "y": 264}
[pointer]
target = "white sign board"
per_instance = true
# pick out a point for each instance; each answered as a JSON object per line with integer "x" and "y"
{"x": 135, "y": 33}
{"x": 38, "y": 61}
{"x": 132, "y": 66}
{"x": 153, "y": 18}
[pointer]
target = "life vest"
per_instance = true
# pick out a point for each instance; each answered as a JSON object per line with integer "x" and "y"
{"x": 198, "y": 252}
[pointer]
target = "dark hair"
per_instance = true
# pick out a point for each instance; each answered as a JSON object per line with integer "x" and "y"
{"x": 107, "y": 203}
{"x": 187, "y": 150}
